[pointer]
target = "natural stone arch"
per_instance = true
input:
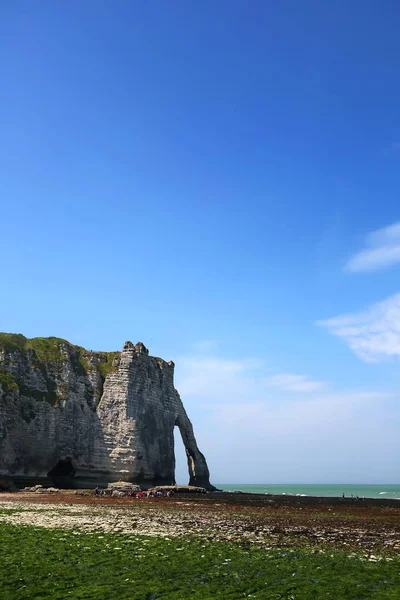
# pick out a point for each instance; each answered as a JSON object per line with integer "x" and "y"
{"x": 197, "y": 467}
{"x": 139, "y": 409}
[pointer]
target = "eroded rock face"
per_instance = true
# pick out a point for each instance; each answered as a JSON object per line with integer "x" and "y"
{"x": 112, "y": 414}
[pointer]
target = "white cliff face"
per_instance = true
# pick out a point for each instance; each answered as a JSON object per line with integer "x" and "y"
{"x": 115, "y": 428}
{"x": 138, "y": 411}
{"x": 47, "y": 413}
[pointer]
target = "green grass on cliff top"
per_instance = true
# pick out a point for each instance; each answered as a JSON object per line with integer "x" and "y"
{"x": 49, "y": 349}
{"x": 56, "y": 564}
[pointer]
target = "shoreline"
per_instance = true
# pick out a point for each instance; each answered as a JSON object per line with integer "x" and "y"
{"x": 238, "y": 498}
{"x": 367, "y": 491}
{"x": 292, "y": 499}
{"x": 372, "y": 525}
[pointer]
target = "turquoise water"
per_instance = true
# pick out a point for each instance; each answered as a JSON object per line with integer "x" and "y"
{"x": 369, "y": 491}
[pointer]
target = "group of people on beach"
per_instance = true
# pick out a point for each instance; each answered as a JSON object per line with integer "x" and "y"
{"x": 133, "y": 494}
{"x": 155, "y": 494}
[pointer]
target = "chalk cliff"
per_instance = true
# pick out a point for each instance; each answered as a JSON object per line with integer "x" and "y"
{"x": 112, "y": 413}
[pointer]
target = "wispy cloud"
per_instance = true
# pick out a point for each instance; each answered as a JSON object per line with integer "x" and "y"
{"x": 217, "y": 378}
{"x": 302, "y": 418}
{"x": 295, "y": 383}
{"x": 254, "y": 426}
{"x": 382, "y": 250}
{"x": 220, "y": 378}
{"x": 373, "y": 334}
{"x": 204, "y": 346}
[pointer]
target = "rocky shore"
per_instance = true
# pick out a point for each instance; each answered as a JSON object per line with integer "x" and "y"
{"x": 371, "y": 526}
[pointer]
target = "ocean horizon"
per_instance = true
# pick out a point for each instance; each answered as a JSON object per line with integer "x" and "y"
{"x": 389, "y": 491}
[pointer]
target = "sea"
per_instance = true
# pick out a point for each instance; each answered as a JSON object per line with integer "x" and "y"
{"x": 391, "y": 491}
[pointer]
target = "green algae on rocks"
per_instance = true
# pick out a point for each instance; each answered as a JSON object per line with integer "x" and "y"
{"x": 57, "y": 564}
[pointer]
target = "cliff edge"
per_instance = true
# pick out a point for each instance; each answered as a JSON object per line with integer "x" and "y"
{"x": 109, "y": 415}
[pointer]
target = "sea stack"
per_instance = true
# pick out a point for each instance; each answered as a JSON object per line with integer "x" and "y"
{"x": 101, "y": 416}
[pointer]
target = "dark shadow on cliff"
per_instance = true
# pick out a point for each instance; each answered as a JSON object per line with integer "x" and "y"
{"x": 89, "y": 468}
{"x": 77, "y": 460}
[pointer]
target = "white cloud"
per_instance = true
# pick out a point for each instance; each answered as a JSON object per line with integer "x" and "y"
{"x": 373, "y": 334}
{"x": 294, "y": 383}
{"x": 382, "y": 250}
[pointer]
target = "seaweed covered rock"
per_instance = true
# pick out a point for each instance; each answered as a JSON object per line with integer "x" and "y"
{"x": 123, "y": 486}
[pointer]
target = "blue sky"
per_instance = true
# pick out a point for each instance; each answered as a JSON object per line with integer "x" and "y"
{"x": 219, "y": 181}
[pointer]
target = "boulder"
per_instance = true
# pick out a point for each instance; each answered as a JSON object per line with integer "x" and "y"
{"x": 123, "y": 486}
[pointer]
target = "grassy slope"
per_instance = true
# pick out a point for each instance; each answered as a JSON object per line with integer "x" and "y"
{"x": 58, "y": 564}
{"x": 48, "y": 349}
